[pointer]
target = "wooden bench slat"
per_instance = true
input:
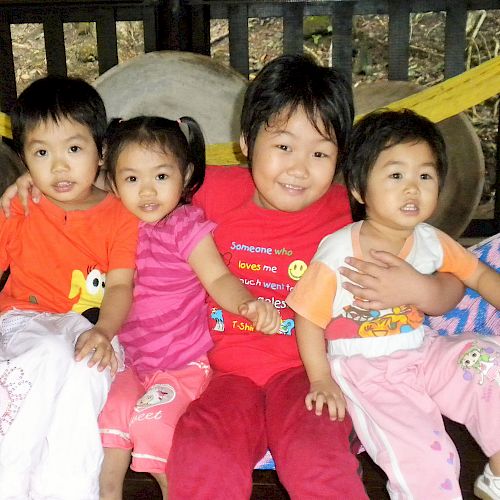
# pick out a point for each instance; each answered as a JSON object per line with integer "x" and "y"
{"x": 55, "y": 51}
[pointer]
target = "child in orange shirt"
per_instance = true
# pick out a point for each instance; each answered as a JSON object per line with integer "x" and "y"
{"x": 55, "y": 365}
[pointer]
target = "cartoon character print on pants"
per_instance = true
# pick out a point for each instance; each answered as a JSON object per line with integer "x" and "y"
{"x": 14, "y": 387}
{"x": 158, "y": 394}
{"x": 481, "y": 361}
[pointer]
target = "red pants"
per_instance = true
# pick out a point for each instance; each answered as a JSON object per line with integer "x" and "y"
{"x": 223, "y": 434}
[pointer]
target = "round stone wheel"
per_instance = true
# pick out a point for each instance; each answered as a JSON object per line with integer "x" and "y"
{"x": 174, "y": 84}
{"x": 464, "y": 182}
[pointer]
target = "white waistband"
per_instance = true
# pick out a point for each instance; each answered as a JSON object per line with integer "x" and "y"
{"x": 373, "y": 347}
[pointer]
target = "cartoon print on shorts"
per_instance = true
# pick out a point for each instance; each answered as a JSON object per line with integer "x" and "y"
{"x": 14, "y": 387}
{"x": 286, "y": 327}
{"x": 217, "y": 315}
{"x": 484, "y": 362}
{"x": 158, "y": 394}
{"x": 88, "y": 288}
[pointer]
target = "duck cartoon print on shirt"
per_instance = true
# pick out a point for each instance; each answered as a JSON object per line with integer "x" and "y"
{"x": 89, "y": 289}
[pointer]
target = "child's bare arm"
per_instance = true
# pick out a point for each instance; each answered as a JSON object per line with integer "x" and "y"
{"x": 395, "y": 282}
{"x": 486, "y": 282}
{"x": 114, "y": 309}
{"x": 228, "y": 291}
{"x": 323, "y": 389}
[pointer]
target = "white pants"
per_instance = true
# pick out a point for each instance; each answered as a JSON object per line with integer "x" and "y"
{"x": 50, "y": 446}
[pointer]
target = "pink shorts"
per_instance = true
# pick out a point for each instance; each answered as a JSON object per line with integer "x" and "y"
{"x": 141, "y": 415}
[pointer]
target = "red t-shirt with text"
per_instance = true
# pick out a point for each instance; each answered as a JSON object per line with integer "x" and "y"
{"x": 268, "y": 250}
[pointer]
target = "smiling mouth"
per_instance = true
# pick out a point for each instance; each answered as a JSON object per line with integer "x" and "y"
{"x": 63, "y": 186}
{"x": 293, "y": 187}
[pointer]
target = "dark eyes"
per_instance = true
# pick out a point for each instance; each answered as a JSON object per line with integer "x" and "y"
{"x": 43, "y": 152}
{"x": 397, "y": 175}
{"x": 316, "y": 154}
{"x": 159, "y": 177}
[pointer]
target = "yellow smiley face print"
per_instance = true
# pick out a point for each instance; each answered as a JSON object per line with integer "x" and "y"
{"x": 296, "y": 269}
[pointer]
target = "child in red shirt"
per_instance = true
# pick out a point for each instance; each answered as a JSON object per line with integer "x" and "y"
{"x": 296, "y": 120}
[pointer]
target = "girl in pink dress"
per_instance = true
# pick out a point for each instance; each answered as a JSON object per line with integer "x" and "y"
{"x": 155, "y": 165}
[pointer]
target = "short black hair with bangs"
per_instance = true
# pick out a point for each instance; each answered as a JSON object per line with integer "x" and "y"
{"x": 293, "y": 81}
{"x": 55, "y": 98}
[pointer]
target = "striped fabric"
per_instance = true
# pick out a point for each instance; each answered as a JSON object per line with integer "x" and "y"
{"x": 167, "y": 326}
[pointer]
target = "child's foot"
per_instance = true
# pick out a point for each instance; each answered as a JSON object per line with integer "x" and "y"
{"x": 487, "y": 486}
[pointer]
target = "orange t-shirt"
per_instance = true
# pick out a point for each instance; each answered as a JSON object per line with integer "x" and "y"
{"x": 58, "y": 259}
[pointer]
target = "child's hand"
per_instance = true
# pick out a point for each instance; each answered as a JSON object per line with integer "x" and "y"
{"x": 262, "y": 314}
{"x": 390, "y": 282}
{"x": 96, "y": 344}
{"x": 24, "y": 188}
{"x": 326, "y": 392}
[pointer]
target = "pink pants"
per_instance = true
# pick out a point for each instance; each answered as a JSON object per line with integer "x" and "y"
{"x": 223, "y": 434}
{"x": 141, "y": 415}
{"x": 396, "y": 404}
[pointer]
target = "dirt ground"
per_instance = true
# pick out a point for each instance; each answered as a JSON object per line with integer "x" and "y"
{"x": 265, "y": 41}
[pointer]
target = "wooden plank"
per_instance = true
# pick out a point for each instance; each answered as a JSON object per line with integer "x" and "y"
{"x": 31, "y": 3}
{"x": 151, "y": 29}
{"x": 293, "y": 28}
{"x": 342, "y": 37}
{"x": 454, "y": 41}
{"x": 399, "y": 40}
{"x": 8, "y": 86}
{"x": 200, "y": 29}
{"x": 55, "y": 50}
{"x": 107, "y": 44}
{"x": 238, "y": 38}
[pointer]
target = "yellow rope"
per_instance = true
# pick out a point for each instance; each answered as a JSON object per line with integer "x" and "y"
{"x": 437, "y": 103}
{"x": 5, "y": 130}
{"x": 456, "y": 94}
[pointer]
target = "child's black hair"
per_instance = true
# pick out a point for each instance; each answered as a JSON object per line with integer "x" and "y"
{"x": 378, "y": 131}
{"x": 154, "y": 131}
{"x": 55, "y": 98}
{"x": 292, "y": 81}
